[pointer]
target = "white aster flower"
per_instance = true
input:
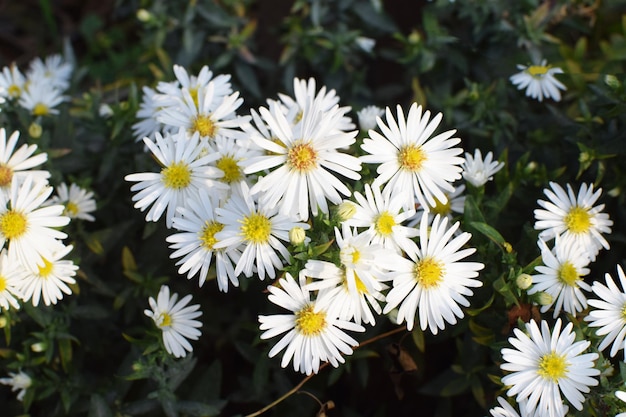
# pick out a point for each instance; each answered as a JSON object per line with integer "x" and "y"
{"x": 20, "y": 381}
{"x": 433, "y": 280}
{"x": 539, "y": 81}
{"x": 15, "y": 166}
{"x": 176, "y": 320}
{"x": 455, "y": 203}
{"x": 194, "y": 243}
{"x": 232, "y": 155}
{"x": 12, "y": 82}
{"x": 30, "y": 228}
{"x": 477, "y": 171}
{"x": 561, "y": 276}
{"x": 543, "y": 365}
{"x": 622, "y": 396}
{"x": 367, "y": 117}
{"x": 11, "y": 275}
{"x": 41, "y": 98}
{"x": 195, "y": 84}
{"x": 148, "y": 125}
{"x": 50, "y": 280}
{"x": 506, "y": 410}
{"x": 54, "y": 70}
{"x": 304, "y": 159}
{"x": 411, "y": 162}
{"x": 607, "y": 312}
{"x": 574, "y": 217}
{"x": 182, "y": 174}
{"x": 314, "y": 334}
{"x": 257, "y": 230}
{"x": 78, "y": 201}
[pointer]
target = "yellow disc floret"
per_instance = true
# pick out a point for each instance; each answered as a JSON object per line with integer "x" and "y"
{"x": 411, "y": 158}
{"x": 256, "y": 228}
{"x": 204, "y": 125}
{"x": 552, "y": 366}
{"x": 6, "y": 175}
{"x": 568, "y": 274}
{"x": 177, "y": 175}
{"x": 302, "y": 157}
{"x": 232, "y": 171}
{"x": 13, "y": 224}
{"x": 537, "y": 71}
{"x": 384, "y": 223}
{"x": 40, "y": 109}
{"x": 309, "y": 322}
{"x": 429, "y": 272}
{"x": 164, "y": 320}
{"x": 578, "y": 220}
{"x": 207, "y": 234}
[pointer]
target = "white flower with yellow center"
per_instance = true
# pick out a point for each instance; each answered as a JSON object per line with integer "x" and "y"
{"x": 29, "y": 228}
{"x": 455, "y": 204}
{"x": 303, "y": 159}
{"x": 561, "y": 276}
{"x": 195, "y": 84}
{"x": 182, "y": 174}
{"x": 539, "y": 81}
{"x": 384, "y": 218}
{"x": 232, "y": 155}
{"x": 20, "y": 382}
{"x": 177, "y": 321}
{"x": 54, "y": 70}
{"x": 41, "y": 98}
{"x": 11, "y": 276}
{"x": 411, "y": 162}
{"x": 12, "y": 82}
{"x": 432, "y": 280}
{"x": 544, "y": 364}
{"x": 478, "y": 171}
{"x": 17, "y": 164}
{"x": 195, "y": 242}
{"x": 506, "y": 410}
{"x": 49, "y": 281}
{"x": 255, "y": 229}
{"x": 78, "y": 201}
{"x": 148, "y": 125}
{"x": 572, "y": 216}
{"x": 608, "y": 312}
{"x": 314, "y": 334}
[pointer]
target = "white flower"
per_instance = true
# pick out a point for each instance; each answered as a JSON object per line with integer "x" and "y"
{"x": 182, "y": 174}
{"x": 607, "y": 312}
{"x": 148, "y": 125}
{"x": 506, "y": 410}
{"x": 539, "y": 81}
{"x": 383, "y": 216}
{"x": 20, "y": 381}
{"x": 195, "y": 242}
{"x": 477, "y": 171}
{"x": 545, "y": 365}
{"x": 367, "y": 117}
{"x": 11, "y": 275}
{"x": 54, "y": 70}
{"x": 411, "y": 162}
{"x": 41, "y": 98}
{"x": 12, "y": 82}
{"x": 194, "y": 84}
{"x": 49, "y": 280}
{"x": 455, "y": 203}
{"x": 257, "y": 230}
{"x": 365, "y": 43}
{"x": 574, "y": 217}
{"x": 78, "y": 202}
{"x": 561, "y": 276}
{"x": 622, "y": 396}
{"x": 16, "y": 165}
{"x": 176, "y": 320}
{"x": 314, "y": 334}
{"x": 303, "y": 159}
{"x": 433, "y": 280}
{"x": 31, "y": 229}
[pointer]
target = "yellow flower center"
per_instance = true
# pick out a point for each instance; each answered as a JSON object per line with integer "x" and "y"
{"x": 411, "y": 158}
{"x": 193, "y": 92}
{"x": 232, "y": 172}
{"x": 203, "y": 125}
{"x": 207, "y": 235}
{"x": 298, "y": 117}
{"x": 164, "y": 320}
{"x": 13, "y": 224}
{"x": 14, "y": 90}
{"x": 40, "y": 109}
{"x": 71, "y": 209}
{"x": 6, "y": 175}
{"x": 429, "y": 272}
{"x": 302, "y": 157}
{"x": 441, "y": 208}
{"x": 384, "y": 223}
{"x": 45, "y": 269}
{"x": 256, "y": 228}
{"x": 553, "y": 366}
{"x": 568, "y": 274}
{"x": 3, "y": 283}
{"x": 349, "y": 255}
{"x": 578, "y": 220}
{"x": 624, "y": 311}
{"x": 310, "y": 323}
{"x": 537, "y": 71}
{"x": 177, "y": 175}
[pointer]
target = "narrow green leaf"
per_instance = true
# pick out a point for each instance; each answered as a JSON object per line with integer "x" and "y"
{"x": 489, "y": 232}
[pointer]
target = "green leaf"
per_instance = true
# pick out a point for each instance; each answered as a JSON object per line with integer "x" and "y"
{"x": 502, "y": 287}
{"x": 199, "y": 409}
{"x": 472, "y": 312}
{"x": 418, "y": 338}
{"x": 472, "y": 212}
{"x": 489, "y": 232}
{"x": 98, "y": 407}
{"x": 65, "y": 352}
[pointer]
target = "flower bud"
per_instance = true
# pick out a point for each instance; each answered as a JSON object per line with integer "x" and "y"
{"x": 612, "y": 81}
{"x": 39, "y": 347}
{"x": 544, "y": 299}
{"x": 35, "y": 130}
{"x": 524, "y": 281}
{"x": 346, "y": 210}
{"x": 297, "y": 235}
{"x": 143, "y": 15}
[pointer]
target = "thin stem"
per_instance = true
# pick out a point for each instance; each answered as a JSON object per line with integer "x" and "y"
{"x": 324, "y": 365}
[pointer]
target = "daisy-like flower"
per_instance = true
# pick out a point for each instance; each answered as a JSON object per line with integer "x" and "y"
{"x": 367, "y": 117}
{"x": 54, "y": 70}
{"x": 50, "y": 280}
{"x": 411, "y": 162}
{"x": 383, "y": 216}
{"x": 31, "y": 229}
{"x": 20, "y": 382}
{"x": 544, "y": 364}
{"x": 195, "y": 242}
{"x": 304, "y": 159}
{"x": 455, "y": 203}
{"x": 15, "y": 166}
{"x": 314, "y": 334}
{"x": 561, "y": 276}
{"x": 195, "y": 85}
{"x": 148, "y": 125}
{"x": 182, "y": 174}
{"x": 477, "y": 171}
{"x": 574, "y": 217}
{"x": 176, "y": 320}
{"x": 433, "y": 280}
{"x": 232, "y": 155}
{"x": 506, "y": 410}
{"x": 41, "y": 98}
{"x": 257, "y": 230}
{"x": 78, "y": 202}
{"x": 12, "y": 82}
{"x": 11, "y": 275}
{"x": 622, "y": 396}
{"x": 539, "y": 81}
{"x": 607, "y": 312}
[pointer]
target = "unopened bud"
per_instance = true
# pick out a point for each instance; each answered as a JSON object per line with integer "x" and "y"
{"x": 614, "y": 192}
{"x": 3, "y": 322}
{"x": 612, "y": 81}
{"x": 143, "y": 15}
{"x": 38, "y": 347}
{"x": 35, "y": 130}
{"x": 297, "y": 235}
{"x": 524, "y": 281}
{"x": 507, "y": 247}
{"x": 346, "y": 210}
{"x": 545, "y": 299}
